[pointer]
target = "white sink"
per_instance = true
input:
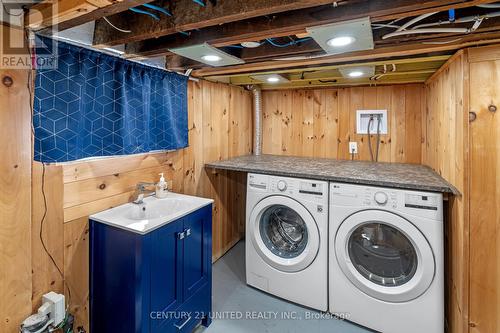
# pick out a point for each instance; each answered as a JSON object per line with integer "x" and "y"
{"x": 152, "y": 214}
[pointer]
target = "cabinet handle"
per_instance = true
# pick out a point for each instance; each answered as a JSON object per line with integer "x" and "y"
{"x": 187, "y": 232}
{"x": 181, "y": 326}
{"x": 181, "y": 235}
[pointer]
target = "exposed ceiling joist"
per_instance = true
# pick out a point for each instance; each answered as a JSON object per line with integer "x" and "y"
{"x": 310, "y": 48}
{"x": 402, "y": 50}
{"x": 397, "y": 62}
{"x": 408, "y": 70}
{"x": 64, "y": 14}
{"x": 294, "y": 22}
{"x": 188, "y": 16}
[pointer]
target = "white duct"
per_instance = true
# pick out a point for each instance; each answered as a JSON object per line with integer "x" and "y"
{"x": 257, "y": 123}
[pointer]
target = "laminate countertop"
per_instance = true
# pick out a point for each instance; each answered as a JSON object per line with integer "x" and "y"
{"x": 392, "y": 175}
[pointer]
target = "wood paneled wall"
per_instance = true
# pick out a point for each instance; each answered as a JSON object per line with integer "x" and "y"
{"x": 484, "y": 140}
{"x": 446, "y": 132}
{"x": 220, "y": 126}
{"x": 321, "y": 122}
{"x": 15, "y": 195}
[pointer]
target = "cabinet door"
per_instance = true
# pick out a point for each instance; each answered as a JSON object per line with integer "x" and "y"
{"x": 166, "y": 280}
{"x": 197, "y": 259}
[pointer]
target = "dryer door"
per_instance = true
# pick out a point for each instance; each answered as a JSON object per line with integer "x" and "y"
{"x": 284, "y": 233}
{"x": 384, "y": 255}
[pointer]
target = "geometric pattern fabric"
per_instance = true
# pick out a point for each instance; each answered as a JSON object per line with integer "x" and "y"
{"x": 94, "y": 104}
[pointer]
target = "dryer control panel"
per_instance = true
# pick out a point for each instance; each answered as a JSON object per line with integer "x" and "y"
{"x": 369, "y": 197}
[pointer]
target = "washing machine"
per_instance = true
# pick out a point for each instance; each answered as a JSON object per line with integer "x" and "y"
{"x": 386, "y": 258}
{"x": 286, "y": 238}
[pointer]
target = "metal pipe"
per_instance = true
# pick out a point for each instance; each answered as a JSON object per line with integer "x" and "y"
{"x": 257, "y": 109}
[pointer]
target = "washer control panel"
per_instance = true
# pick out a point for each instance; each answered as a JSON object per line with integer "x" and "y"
{"x": 290, "y": 186}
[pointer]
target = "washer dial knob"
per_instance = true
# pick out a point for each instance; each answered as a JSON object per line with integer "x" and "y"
{"x": 282, "y": 185}
{"x": 381, "y": 198}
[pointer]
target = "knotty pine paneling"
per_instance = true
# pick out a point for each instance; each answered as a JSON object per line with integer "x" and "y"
{"x": 15, "y": 195}
{"x": 220, "y": 126}
{"x": 446, "y": 131}
{"x": 321, "y": 122}
{"x": 484, "y": 142}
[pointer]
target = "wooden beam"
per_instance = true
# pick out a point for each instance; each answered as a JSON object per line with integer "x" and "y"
{"x": 65, "y": 14}
{"x": 397, "y": 62}
{"x": 292, "y": 23}
{"x": 186, "y": 16}
{"x": 401, "y": 50}
{"x": 264, "y": 52}
{"x": 310, "y": 48}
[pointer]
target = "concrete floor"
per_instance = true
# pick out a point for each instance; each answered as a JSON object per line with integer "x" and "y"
{"x": 231, "y": 296}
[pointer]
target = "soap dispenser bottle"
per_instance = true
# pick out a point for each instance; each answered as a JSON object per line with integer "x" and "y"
{"x": 161, "y": 188}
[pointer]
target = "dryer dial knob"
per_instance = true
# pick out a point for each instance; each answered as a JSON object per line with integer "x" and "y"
{"x": 381, "y": 198}
{"x": 282, "y": 185}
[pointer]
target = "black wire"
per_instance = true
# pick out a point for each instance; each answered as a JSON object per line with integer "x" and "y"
{"x": 42, "y": 222}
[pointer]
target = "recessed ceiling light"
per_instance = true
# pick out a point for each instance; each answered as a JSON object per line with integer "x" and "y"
{"x": 342, "y": 37}
{"x": 270, "y": 78}
{"x": 356, "y": 74}
{"x": 340, "y": 41}
{"x": 211, "y": 58}
{"x": 273, "y": 79}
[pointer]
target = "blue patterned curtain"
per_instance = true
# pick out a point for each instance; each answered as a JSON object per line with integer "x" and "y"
{"x": 94, "y": 104}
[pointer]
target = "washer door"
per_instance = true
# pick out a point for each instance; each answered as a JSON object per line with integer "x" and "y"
{"x": 384, "y": 255}
{"x": 284, "y": 233}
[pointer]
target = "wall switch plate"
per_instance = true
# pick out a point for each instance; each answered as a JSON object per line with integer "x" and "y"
{"x": 353, "y": 147}
{"x": 363, "y": 119}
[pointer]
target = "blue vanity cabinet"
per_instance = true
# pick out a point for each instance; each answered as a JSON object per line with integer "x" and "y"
{"x": 159, "y": 282}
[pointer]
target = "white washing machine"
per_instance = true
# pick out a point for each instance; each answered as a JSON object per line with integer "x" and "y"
{"x": 386, "y": 258}
{"x": 286, "y": 238}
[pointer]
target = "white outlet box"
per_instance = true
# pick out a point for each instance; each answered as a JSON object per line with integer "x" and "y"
{"x": 353, "y": 147}
{"x": 363, "y": 120}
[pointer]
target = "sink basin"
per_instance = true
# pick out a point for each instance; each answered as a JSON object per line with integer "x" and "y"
{"x": 152, "y": 214}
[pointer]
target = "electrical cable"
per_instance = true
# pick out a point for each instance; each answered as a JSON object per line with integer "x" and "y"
{"x": 158, "y": 8}
{"x": 114, "y": 26}
{"x": 292, "y": 42}
{"x": 199, "y": 2}
{"x": 145, "y": 12}
{"x": 45, "y": 206}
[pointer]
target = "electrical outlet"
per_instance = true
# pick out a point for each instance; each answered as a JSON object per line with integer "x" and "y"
{"x": 353, "y": 147}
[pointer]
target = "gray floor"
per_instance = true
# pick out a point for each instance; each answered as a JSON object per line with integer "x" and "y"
{"x": 231, "y": 296}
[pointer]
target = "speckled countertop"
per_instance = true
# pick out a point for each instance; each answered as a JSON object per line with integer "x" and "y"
{"x": 396, "y": 175}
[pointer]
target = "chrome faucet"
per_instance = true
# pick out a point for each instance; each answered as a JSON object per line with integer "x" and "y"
{"x": 141, "y": 192}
